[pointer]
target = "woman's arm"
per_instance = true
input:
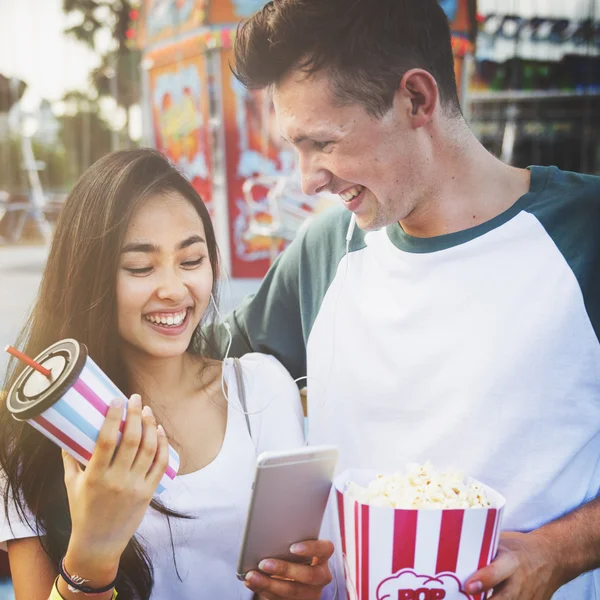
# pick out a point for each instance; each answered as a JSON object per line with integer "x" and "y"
{"x": 32, "y": 571}
{"x": 107, "y": 502}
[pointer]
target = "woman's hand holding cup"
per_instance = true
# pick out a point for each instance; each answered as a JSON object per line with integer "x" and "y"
{"x": 108, "y": 499}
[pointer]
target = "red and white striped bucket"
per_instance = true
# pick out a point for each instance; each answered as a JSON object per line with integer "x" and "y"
{"x": 419, "y": 554}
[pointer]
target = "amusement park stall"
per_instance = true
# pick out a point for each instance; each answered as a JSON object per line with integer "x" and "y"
{"x": 223, "y": 136}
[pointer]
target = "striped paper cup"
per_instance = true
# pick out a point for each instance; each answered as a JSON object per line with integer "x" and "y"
{"x": 424, "y": 554}
{"x": 70, "y": 407}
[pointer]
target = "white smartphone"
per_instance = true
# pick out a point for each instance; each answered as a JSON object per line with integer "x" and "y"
{"x": 289, "y": 497}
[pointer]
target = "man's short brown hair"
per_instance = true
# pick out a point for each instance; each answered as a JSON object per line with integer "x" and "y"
{"x": 366, "y": 46}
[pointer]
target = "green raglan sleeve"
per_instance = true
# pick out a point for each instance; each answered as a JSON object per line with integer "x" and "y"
{"x": 569, "y": 210}
{"x": 278, "y": 318}
{"x": 270, "y": 321}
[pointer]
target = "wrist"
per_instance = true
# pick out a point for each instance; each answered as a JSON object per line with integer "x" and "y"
{"x": 97, "y": 571}
{"x": 561, "y": 562}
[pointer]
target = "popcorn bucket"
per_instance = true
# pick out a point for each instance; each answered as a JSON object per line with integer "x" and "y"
{"x": 415, "y": 554}
{"x": 70, "y": 405}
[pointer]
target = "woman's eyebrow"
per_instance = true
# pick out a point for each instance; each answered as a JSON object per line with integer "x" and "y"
{"x": 153, "y": 248}
{"x": 140, "y": 247}
{"x": 193, "y": 239}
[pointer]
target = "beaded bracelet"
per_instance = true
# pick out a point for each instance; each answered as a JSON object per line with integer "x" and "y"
{"x": 76, "y": 584}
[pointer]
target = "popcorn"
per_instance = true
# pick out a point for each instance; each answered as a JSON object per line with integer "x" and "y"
{"x": 420, "y": 487}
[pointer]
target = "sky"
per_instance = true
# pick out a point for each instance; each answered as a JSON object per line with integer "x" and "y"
{"x": 34, "y": 48}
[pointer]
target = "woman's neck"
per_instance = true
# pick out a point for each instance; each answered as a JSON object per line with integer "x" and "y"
{"x": 162, "y": 382}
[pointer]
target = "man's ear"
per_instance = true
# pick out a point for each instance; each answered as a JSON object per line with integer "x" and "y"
{"x": 420, "y": 93}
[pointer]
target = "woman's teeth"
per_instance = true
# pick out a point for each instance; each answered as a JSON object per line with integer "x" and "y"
{"x": 170, "y": 320}
{"x": 351, "y": 193}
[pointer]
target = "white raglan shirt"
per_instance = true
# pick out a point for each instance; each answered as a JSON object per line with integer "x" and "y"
{"x": 477, "y": 350}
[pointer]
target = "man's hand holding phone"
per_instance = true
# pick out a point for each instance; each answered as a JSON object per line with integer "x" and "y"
{"x": 281, "y": 580}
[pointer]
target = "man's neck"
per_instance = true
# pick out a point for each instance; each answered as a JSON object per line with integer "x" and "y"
{"x": 469, "y": 187}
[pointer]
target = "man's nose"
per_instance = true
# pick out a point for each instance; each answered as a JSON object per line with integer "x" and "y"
{"x": 315, "y": 178}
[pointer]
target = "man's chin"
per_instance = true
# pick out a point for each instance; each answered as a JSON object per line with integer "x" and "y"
{"x": 370, "y": 222}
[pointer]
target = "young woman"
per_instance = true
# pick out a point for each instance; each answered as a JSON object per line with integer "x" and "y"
{"x": 132, "y": 274}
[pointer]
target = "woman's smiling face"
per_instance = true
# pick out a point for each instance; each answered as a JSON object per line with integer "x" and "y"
{"x": 165, "y": 277}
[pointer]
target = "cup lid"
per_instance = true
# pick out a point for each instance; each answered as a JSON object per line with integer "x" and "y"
{"x": 33, "y": 393}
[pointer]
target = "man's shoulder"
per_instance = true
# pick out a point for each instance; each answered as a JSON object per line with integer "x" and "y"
{"x": 332, "y": 221}
{"x": 570, "y": 187}
{"x": 328, "y": 231}
{"x": 566, "y": 198}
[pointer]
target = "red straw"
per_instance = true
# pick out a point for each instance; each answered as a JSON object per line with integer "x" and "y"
{"x": 28, "y": 361}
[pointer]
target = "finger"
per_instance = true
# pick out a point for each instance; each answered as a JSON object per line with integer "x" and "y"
{"x": 267, "y": 586}
{"x": 132, "y": 435}
{"x": 322, "y": 550}
{"x": 106, "y": 443}
{"x": 71, "y": 466}
{"x": 161, "y": 459}
{"x": 317, "y": 575}
{"x": 503, "y": 567}
{"x": 148, "y": 444}
{"x": 505, "y": 591}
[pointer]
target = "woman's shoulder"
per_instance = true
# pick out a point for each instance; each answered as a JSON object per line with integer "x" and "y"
{"x": 273, "y": 401}
{"x": 258, "y": 364}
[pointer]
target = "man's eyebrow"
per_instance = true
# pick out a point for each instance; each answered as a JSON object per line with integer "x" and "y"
{"x": 313, "y": 136}
{"x": 152, "y": 248}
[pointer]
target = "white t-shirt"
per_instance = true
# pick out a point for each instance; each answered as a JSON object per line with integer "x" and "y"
{"x": 206, "y": 547}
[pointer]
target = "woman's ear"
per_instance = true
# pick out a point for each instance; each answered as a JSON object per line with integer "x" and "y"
{"x": 420, "y": 91}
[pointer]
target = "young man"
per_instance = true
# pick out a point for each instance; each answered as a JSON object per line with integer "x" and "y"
{"x": 460, "y": 323}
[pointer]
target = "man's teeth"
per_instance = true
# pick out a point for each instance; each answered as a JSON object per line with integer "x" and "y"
{"x": 351, "y": 193}
{"x": 172, "y": 320}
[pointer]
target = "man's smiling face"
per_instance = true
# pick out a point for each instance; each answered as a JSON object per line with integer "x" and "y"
{"x": 372, "y": 163}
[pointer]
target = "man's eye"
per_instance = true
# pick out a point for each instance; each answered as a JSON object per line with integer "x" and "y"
{"x": 140, "y": 271}
{"x": 192, "y": 263}
{"x": 322, "y": 145}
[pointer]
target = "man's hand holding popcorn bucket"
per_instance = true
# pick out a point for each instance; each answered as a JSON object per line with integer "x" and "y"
{"x": 415, "y": 536}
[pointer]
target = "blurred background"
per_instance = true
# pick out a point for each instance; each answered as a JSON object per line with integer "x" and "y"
{"x": 80, "y": 78}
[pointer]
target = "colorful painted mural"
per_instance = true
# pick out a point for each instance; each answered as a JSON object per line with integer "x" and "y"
{"x": 164, "y": 19}
{"x": 180, "y": 118}
{"x": 260, "y": 203}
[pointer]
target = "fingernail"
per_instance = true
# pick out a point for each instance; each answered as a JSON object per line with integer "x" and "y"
{"x": 474, "y": 587}
{"x": 297, "y": 548}
{"x": 135, "y": 401}
{"x": 266, "y": 565}
{"x": 147, "y": 411}
{"x": 161, "y": 431}
{"x": 252, "y": 577}
{"x": 117, "y": 402}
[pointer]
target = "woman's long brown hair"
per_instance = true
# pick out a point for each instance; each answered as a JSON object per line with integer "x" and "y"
{"x": 77, "y": 299}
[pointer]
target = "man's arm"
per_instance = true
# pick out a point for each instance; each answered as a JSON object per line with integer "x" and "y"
{"x": 270, "y": 320}
{"x": 532, "y": 566}
{"x": 278, "y": 318}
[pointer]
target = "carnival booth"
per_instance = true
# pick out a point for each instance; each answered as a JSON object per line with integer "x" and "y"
{"x": 223, "y": 136}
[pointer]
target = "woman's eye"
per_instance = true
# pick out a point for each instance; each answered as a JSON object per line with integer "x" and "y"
{"x": 192, "y": 263}
{"x": 138, "y": 271}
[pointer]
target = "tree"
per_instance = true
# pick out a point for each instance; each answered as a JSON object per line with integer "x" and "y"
{"x": 84, "y": 134}
{"x": 118, "y": 73}
{"x": 11, "y": 91}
